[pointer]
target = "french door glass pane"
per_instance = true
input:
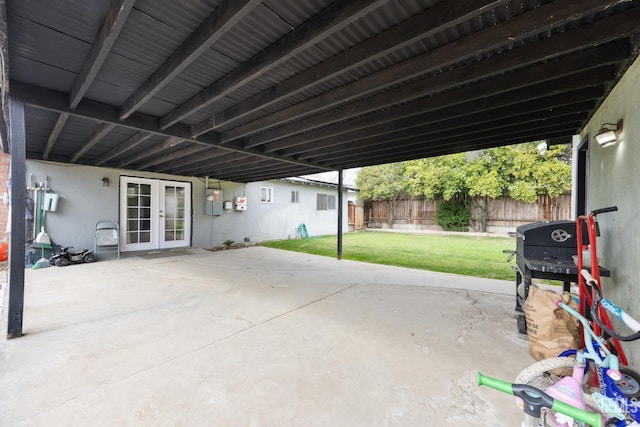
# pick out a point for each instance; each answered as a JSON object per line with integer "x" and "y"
{"x": 174, "y": 211}
{"x": 170, "y": 202}
{"x": 138, "y": 213}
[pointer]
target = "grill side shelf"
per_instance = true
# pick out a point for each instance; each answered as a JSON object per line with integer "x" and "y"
{"x": 558, "y": 267}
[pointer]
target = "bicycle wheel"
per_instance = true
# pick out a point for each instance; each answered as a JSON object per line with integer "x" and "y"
{"x": 546, "y": 372}
{"x": 629, "y": 385}
{"x": 543, "y": 374}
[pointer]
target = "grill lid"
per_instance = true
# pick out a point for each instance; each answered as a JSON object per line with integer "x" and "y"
{"x": 561, "y": 233}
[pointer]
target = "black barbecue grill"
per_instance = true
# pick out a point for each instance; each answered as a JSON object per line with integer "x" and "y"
{"x": 545, "y": 250}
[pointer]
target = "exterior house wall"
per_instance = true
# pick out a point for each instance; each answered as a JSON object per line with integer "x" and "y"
{"x": 614, "y": 179}
{"x": 276, "y": 220}
{"x": 84, "y": 201}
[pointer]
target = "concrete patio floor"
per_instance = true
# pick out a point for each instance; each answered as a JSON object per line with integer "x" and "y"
{"x": 258, "y": 337}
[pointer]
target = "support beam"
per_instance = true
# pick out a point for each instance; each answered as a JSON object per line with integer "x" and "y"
{"x": 498, "y": 89}
{"x": 561, "y": 133}
{"x": 332, "y": 19}
{"x": 166, "y": 144}
{"x": 127, "y": 145}
{"x": 420, "y": 26}
{"x": 52, "y": 100}
{"x": 436, "y": 140}
{"x": 100, "y": 133}
{"x": 212, "y": 155}
{"x": 503, "y": 91}
{"x": 207, "y": 160}
{"x": 172, "y": 156}
{"x": 259, "y": 175}
{"x": 57, "y": 128}
{"x": 518, "y": 28}
{"x": 470, "y": 142}
{"x": 249, "y": 167}
{"x": 107, "y": 35}
{"x": 470, "y": 146}
{"x": 225, "y": 17}
{"x": 17, "y": 141}
{"x": 423, "y": 125}
{"x": 340, "y": 211}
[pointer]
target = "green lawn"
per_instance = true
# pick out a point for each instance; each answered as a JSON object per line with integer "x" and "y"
{"x": 459, "y": 254}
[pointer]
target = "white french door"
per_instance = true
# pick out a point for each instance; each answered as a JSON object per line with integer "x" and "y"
{"x": 154, "y": 214}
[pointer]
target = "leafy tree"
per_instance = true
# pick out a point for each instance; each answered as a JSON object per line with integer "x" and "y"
{"x": 487, "y": 176}
{"x": 535, "y": 175}
{"x": 384, "y": 183}
{"x": 517, "y": 171}
{"x": 436, "y": 177}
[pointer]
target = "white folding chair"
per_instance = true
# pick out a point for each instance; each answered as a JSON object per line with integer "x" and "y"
{"x": 107, "y": 237}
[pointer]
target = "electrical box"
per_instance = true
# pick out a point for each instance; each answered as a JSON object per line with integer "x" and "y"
{"x": 241, "y": 203}
{"x": 50, "y": 202}
{"x": 228, "y": 205}
{"x": 213, "y": 202}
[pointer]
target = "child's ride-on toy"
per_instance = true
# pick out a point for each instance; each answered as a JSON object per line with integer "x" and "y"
{"x": 64, "y": 257}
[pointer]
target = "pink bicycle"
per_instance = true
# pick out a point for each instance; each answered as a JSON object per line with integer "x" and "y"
{"x": 614, "y": 402}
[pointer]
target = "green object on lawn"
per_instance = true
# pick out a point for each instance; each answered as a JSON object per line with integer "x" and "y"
{"x": 303, "y": 231}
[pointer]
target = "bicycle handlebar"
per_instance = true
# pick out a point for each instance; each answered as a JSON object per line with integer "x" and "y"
{"x": 602, "y": 356}
{"x": 604, "y": 210}
{"x": 608, "y": 305}
{"x": 535, "y": 399}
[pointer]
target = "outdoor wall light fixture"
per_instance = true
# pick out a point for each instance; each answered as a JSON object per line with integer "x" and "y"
{"x": 105, "y": 182}
{"x": 607, "y": 136}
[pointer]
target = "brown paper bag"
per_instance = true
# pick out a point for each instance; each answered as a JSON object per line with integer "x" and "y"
{"x": 551, "y": 330}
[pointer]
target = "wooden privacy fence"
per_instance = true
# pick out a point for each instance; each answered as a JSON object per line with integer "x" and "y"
{"x": 501, "y": 212}
{"x": 356, "y": 216}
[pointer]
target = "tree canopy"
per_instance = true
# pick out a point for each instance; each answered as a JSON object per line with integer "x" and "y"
{"x": 383, "y": 183}
{"x": 517, "y": 171}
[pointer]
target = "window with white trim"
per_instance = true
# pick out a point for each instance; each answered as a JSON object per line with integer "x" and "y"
{"x": 295, "y": 196}
{"x": 266, "y": 195}
{"x": 325, "y": 202}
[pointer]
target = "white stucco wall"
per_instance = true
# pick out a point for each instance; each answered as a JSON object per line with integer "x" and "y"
{"x": 84, "y": 201}
{"x": 614, "y": 179}
{"x": 277, "y": 220}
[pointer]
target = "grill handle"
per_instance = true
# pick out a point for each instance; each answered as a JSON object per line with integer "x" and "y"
{"x": 515, "y": 234}
{"x": 510, "y": 252}
{"x": 604, "y": 210}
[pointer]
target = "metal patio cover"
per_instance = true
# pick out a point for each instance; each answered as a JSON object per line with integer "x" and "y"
{"x": 246, "y": 90}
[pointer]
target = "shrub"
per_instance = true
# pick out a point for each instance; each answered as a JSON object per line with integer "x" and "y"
{"x": 452, "y": 215}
